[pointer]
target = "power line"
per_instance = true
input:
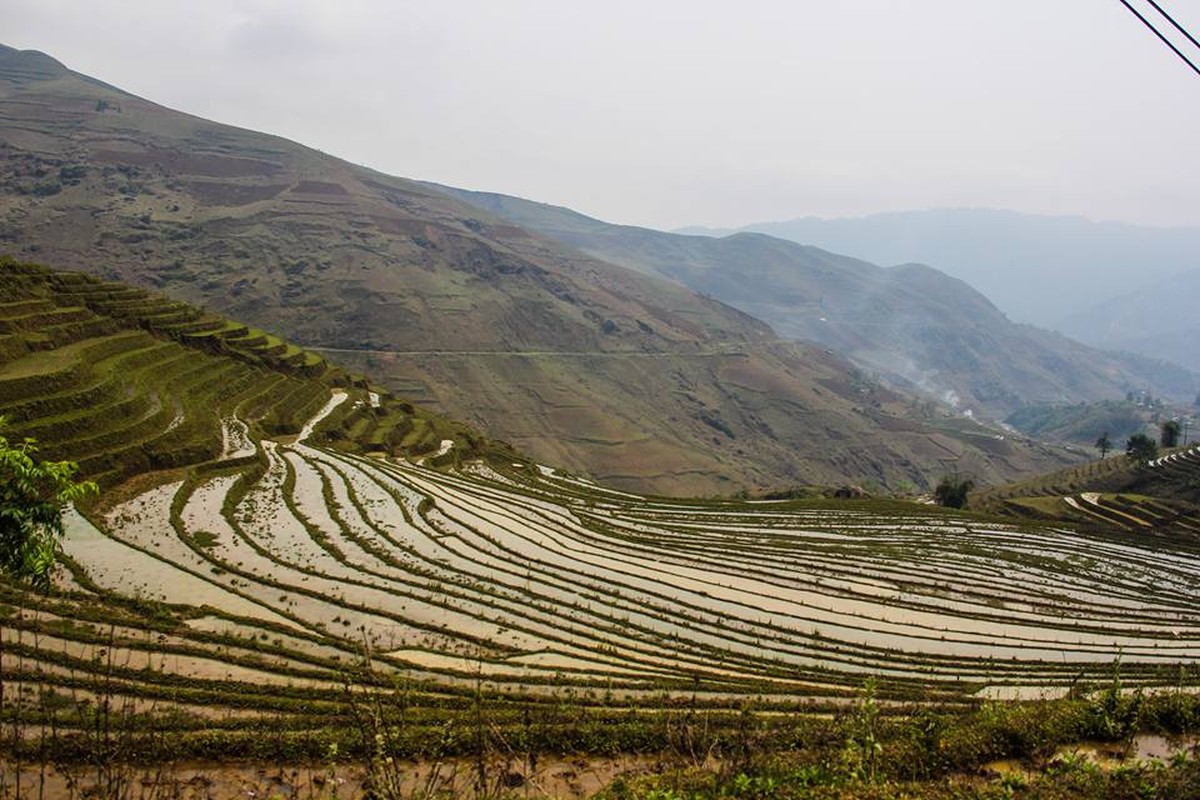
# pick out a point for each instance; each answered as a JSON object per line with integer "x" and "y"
{"x": 1171, "y": 20}
{"x": 1159, "y": 33}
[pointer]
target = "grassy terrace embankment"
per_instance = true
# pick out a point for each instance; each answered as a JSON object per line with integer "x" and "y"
{"x": 1118, "y": 496}
{"x": 126, "y": 382}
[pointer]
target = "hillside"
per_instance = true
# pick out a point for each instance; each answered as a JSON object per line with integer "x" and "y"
{"x": 1037, "y": 269}
{"x": 1084, "y": 423}
{"x": 127, "y": 382}
{"x": 1156, "y": 501}
{"x": 278, "y": 556}
{"x": 585, "y": 365}
{"x": 910, "y": 324}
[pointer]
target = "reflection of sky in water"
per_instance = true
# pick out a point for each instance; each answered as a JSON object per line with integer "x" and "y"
{"x": 561, "y": 576}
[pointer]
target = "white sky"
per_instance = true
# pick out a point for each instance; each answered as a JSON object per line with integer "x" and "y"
{"x": 672, "y": 112}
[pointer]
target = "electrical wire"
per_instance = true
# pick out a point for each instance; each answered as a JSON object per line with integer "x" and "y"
{"x": 1160, "y": 35}
{"x": 1171, "y": 20}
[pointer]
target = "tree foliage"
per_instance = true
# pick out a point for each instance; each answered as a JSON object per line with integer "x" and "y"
{"x": 1141, "y": 448}
{"x": 1169, "y": 433}
{"x": 32, "y": 496}
{"x": 952, "y": 491}
{"x": 1104, "y": 445}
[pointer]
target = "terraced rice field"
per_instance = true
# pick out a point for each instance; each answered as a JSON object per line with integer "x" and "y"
{"x": 1155, "y": 500}
{"x": 286, "y": 537}
{"x": 126, "y": 382}
{"x": 534, "y": 580}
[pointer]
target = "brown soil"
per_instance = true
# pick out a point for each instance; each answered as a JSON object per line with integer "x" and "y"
{"x": 556, "y": 777}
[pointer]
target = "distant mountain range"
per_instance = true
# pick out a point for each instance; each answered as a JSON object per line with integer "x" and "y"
{"x": 911, "y": 324}
{"x": 584, "y": 364}
{"x": 1044, "y": 270}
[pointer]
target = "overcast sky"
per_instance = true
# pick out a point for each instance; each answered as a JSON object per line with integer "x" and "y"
{"x": 682, "y": 112}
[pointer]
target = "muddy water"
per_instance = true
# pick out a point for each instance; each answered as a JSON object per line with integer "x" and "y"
{"x": 1143, "y": 748}
{"x": 1107, "y": 755}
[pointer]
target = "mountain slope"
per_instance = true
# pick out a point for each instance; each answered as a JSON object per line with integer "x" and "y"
{"x": 127, "y": 382}
{"x": 1038, "y": 269}
{"x": 911, "y": 323}
{"x": 1155, "y": 320}
{"x": 580, "y": 363}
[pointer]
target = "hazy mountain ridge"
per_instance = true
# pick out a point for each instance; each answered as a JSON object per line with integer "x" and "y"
{"x": 1039, "y": 269}
{"x": 911, "y": 323}
{"x": 581, "y": 363}
{"x": 1160, "y": 318}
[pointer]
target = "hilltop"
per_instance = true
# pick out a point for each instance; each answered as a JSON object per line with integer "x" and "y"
{"x": 639, "y": 382}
